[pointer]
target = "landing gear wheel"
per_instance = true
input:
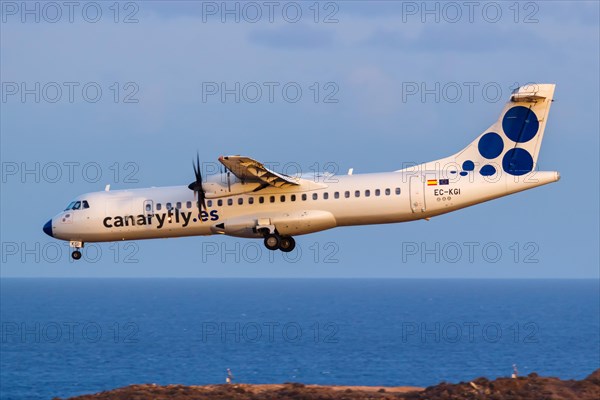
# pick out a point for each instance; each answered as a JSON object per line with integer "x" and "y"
{"x": 287, "y": 244}
{"x": 76, "y": 255}
{"x": 272, "y": 241}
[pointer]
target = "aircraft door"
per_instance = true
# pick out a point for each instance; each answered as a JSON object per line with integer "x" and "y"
{"x": 417, "y": 194}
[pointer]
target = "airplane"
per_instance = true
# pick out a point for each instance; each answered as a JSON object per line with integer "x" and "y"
{"x": 249, "y": 200}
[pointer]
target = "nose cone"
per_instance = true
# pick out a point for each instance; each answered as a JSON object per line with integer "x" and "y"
{"x": 48, "y": 228}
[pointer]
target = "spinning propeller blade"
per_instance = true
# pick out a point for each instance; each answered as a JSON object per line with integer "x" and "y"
{"x": 196, "y": 186}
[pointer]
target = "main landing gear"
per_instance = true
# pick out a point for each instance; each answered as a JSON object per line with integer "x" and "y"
{"x": 76, "y": 254}
{"x": 284, "y": 243}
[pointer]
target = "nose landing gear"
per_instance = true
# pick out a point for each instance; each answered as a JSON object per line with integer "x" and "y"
{"x": 76, "y": 254}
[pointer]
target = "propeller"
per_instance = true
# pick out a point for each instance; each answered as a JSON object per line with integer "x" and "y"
{"x": 196, "y": 186}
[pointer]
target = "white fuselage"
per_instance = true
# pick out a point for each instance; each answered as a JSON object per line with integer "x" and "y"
{"x": 326, "y": 202}
{"x": 250, "y": 200}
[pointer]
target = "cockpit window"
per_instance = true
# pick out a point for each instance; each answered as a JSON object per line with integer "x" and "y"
{"x": 76, "y": 205}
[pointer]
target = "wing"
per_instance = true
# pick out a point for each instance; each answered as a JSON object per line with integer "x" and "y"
{"x": 247, "y": 169}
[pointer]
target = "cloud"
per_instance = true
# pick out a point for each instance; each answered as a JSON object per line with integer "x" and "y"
{"x": 293, "y": 37}
{"x": 467, "y": 38}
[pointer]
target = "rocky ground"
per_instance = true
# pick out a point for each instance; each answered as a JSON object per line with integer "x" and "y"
{"x": 531, "y": 387}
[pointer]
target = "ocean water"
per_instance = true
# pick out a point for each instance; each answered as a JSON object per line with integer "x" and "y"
{"x": 64, "y": 337}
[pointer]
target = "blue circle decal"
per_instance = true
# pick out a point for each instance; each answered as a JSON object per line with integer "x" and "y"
{"x": 487, "y": 170}
{"x": 520, "y": 124}
{"x": 490, "y": 145}
{"x": 468, "y": 165}
{"x": 517, "y": 162}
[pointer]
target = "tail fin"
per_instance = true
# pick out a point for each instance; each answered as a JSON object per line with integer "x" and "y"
{"x": 512, "y": 144}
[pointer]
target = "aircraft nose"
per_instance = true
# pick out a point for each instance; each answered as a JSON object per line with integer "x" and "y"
{"x": 48, "y": 228}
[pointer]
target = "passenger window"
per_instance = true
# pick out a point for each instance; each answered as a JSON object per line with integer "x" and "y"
{"x": 303, "y": 196}
{"x": 282, "y": 198}
{"x": 261, "y": 199}
{"x": 169, "y": 207}
{"x": 189, "y": 204}
{"x": 241, "y": 201}
{"x": 158, "y": 206}
{"x": 272, "y": 199}
{"x": 336, "y": 195}
{"x": 179, "y": 205}
{"x": 229, "y": 202}
{"x": 293, "y": 197}
{"x": 208, "y": 203}
{"x": 85, "y": 204}
{"x": 315, "y": 196}
{"x": 377, "y": 192}
{"x": 148, "y": 207}
{"x": 357, "y": 193}
{"x": 250, "y": 200}
{"x": 387, "y": 192}
{"x": 398, "y": 191}
{"x": 347, "y": 194}
{"x": 367, "y": 193}
{"x": 325, "y": 196}
{"x": 219, "y": 202}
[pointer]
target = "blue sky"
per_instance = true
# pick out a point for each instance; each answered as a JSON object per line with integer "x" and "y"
{"x": 361, "y": 64}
